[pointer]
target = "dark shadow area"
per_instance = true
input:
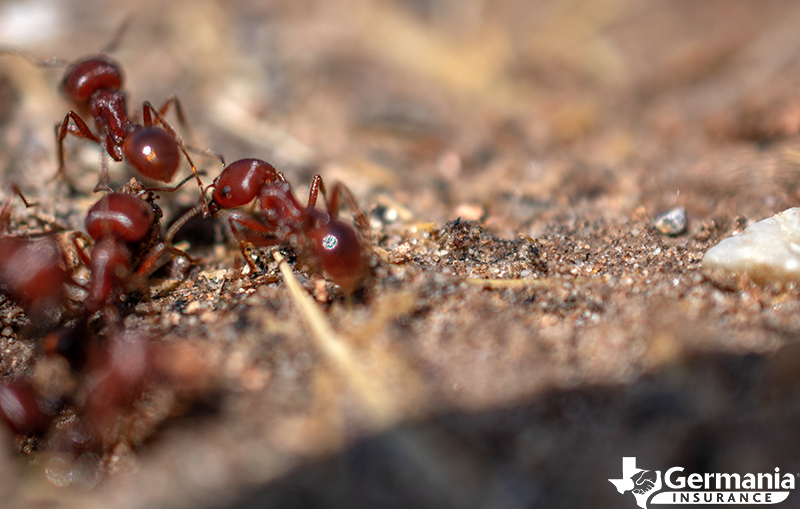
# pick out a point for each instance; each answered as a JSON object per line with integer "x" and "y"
{"x": 706, "y": 413}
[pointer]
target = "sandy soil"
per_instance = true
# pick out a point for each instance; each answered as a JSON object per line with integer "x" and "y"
{"x": 526, "y": 325}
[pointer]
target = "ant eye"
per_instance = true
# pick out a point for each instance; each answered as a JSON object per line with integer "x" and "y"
{"x": 329, "y": 242}
{"x": 226, "y": 191}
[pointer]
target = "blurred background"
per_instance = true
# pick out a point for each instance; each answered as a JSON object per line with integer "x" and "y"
{"x": 492, "y": 106}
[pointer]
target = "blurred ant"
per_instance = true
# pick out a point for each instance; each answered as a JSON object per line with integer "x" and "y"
{"x": 33, "y": 273}
{"x": 20, "y": 409}
{"x": 117, "y": 371}
{"x": 123, "y": 228}
{"x": 124, "y": 367}
{"x": 321, "y": 239}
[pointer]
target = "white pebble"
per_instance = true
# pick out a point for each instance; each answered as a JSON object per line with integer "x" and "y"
{"x": 672, "y": 222}
{"x": 768, "y": 251}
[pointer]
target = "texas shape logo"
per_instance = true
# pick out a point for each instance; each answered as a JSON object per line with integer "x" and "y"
{"x": 643, "y": 483}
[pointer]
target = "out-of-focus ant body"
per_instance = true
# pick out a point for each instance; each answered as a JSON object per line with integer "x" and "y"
{"x": 20, "y": 409}
{"x": 124, "y": 227}
{"x": 33, "y": 272}
{"x": 322, "y": 240}
{"x": 117, "y": 371}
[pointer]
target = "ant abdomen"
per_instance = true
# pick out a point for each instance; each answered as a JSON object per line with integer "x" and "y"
{"x": 90, "y": 74}
{"x": 339, "y": 253}
{"x": 153, "y": 152}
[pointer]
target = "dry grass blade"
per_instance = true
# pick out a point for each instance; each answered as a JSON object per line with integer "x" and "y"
{"x": 376, "y": 400}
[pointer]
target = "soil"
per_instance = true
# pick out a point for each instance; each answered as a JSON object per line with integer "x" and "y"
{"x": 526, "y": 324}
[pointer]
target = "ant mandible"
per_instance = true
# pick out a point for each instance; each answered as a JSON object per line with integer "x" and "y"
{"x": 325, "y": 242}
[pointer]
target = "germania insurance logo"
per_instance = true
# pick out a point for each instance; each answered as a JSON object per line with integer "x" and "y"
{"x": 673, "y": 487}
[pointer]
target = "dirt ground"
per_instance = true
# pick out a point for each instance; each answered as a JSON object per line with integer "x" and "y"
{"x": 526, "y": 325}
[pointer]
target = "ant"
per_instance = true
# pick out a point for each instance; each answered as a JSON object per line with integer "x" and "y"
{"x": 326, "y": 243}
{"x": 124, "y": 228}
{"x": 20, "y": 409}
{"x": 33, "y": 273}
{"x": 94, "y": 84}
{"x": 120, "y": 371}
{"x": 117, "y": 371}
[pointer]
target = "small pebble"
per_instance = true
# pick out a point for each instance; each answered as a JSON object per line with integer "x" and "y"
{"x": 192, "y": 307}
{"x": 672, "y": 222}
{"x": 768, "y": 251}
{"x": 470, "y": 211}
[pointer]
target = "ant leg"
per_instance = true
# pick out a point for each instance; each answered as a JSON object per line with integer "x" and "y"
{"x": 79, "y": 129}
{"x": 170, "y": 189}
{"x": 151, "y": 261}
{"x": 342, "y": 193}
{"x": 250, "y": 231}
{"x": 172, "y": 100}
{"x": 102, "y": 184}
{"x": 240, "y": 238}
{"x": 207, "y": 153}
{"x": 147, "y": 110}
{"x": 149, "y": 264}
{"x": 180, "y": 222}
{"x": 316, "y": 185}
{"x": 80, "y": 250}
{"x": 5, "y": 216}
{"x": 5, "y": 210}
{"x": 16, "y": 190}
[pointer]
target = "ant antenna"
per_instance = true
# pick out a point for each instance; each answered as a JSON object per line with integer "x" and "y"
{"x": 115, "y": 41}
{"x": 39, "y": 61}
{"x": 33, "y": 58}
{"x": 16, "y": 190}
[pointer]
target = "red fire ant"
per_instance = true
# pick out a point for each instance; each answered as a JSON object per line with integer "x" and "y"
{"x": 124, "y": 228}
{"x": 20, "y": 410}
{"x": 117, "y": 371}
{"x": 33, "y": 273}
{"x": 94, "y": 84}
{"x": 325, "y": 242}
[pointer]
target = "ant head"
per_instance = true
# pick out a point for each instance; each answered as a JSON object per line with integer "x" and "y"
{"x": 340, "y": 254}
{"x": 240, "y": 182}
{"x": 121, "y": 216}
{"x": 89, "y": 74}
{"x": 153, "y": 152}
